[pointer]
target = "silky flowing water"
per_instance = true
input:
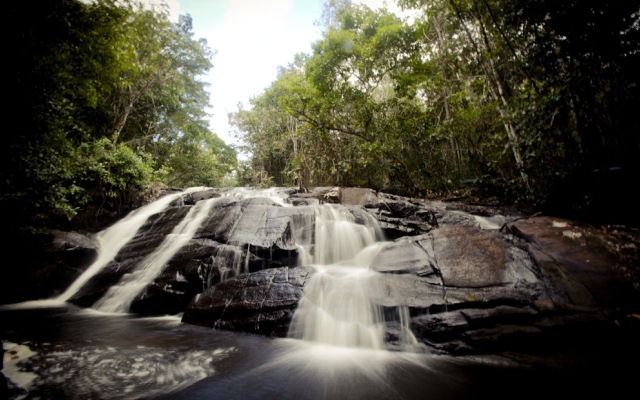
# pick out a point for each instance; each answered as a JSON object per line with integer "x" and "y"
{"x": 111, "y": 240}
{"x": 335, "y": 348}
{"x": 119, "y": 297}
{"x": 62, "y": 352}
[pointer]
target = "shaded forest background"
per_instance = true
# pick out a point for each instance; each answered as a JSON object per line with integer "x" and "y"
{"x": 525, "y": 103}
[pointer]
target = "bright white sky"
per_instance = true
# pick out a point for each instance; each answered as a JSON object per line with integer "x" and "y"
{"x": 252, "y": 39}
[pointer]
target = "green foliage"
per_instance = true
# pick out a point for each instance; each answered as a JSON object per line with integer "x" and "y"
{"x": 204, "y": 162}
{"x": 492, "y": 98}
{"x": 109, "y": 104}
{"x": 113, "y": 173}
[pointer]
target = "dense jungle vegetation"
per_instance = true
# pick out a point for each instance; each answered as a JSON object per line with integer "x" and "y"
{"x": 107, "y": 103}
{"x": 524, "y": 102}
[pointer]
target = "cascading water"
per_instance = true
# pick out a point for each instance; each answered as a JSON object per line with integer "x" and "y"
{"x": 112, "y": 239}
{"x": 275, "y": 194}
{"x": 336, "y": 308}
{"x": 332, "y": 351}
{"x": 119, "y": 297}
{"x": 338, "y": 237}
{"x": 229, "y": 260}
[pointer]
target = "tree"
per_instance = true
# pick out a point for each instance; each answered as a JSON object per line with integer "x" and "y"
{"x": 498, "y": 99}
{"x": 110, "y": 105}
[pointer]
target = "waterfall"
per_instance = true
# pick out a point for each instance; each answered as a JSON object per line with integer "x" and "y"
{"x": 335, "y": 308}
{"x": 119, "y": 297}
{"x": 229, "y": 261}
{"x": 338, "y": 237}
{"x": 112, "y": 239}
{"x": 339, "y": 242}
{"x": 275, "y": 194}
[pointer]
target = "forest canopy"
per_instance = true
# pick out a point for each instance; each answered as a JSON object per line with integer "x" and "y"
{"x": 108, "y": 104}
{"x": 527, "y": 103}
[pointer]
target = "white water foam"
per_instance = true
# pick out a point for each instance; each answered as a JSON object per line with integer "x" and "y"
{"x": 14, "y": 355}
{"x": 104, "y": 372}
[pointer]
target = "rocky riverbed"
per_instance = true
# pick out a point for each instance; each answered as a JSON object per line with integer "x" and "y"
{"x": 466, "y": 280}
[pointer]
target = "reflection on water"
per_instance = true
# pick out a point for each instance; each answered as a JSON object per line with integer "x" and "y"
{"x": 66, "y": 353}
{"x": 75, "y": 354}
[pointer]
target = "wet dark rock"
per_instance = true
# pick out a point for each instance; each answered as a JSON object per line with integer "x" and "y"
{"x": 262, "y": 302}
{"x": 401, "y": 216}
{"x": 46, "y": 266}
{"x": 599, "y": 269}
{"x": 258, "y": 229}
{"x": 475, "y": 280}
{"x": 150, "y": 235}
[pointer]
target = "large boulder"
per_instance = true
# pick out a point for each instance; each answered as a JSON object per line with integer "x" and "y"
{"x": 237, "y": 236}
{"x": 262, "y": 302}
{"x": 482, "y": 282}
{"x": 146, "y": 240}
{"x": 545, "y": 290}
{"x": 583, "y": 264}
{"x": 465, "y": 279}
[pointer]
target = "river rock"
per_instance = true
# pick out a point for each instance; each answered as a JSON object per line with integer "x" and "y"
{"x": 148, "y": 237}
{"x": 262, "y": 302}
{"x": 247, "y": 235}
{"x": 473, "y": 280}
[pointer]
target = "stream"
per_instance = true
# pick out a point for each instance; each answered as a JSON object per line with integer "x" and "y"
{"x": 63, "y": 352}
{"x": 335, "y": 348}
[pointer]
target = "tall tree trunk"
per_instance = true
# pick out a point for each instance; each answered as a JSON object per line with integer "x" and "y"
{"x": 512, "y": 135}
{"x": 131, "y": 98}
{"x": 496, "y": 88}
{"x": 292, "y": 128}
{"x": 573, "y": 115}
{"x": 446, "y": 94}
{"x": 121, "y": 121}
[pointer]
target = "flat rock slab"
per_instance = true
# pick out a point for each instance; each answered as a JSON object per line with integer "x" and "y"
{"x": 583, "y": 265}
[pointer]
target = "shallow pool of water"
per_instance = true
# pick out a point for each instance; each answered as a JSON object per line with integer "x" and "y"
{"x": 68, "y": 353}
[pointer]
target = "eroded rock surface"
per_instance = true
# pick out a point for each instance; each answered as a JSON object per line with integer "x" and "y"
{"x": 473, "y": 280}
{"x": 262, "y": 302}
